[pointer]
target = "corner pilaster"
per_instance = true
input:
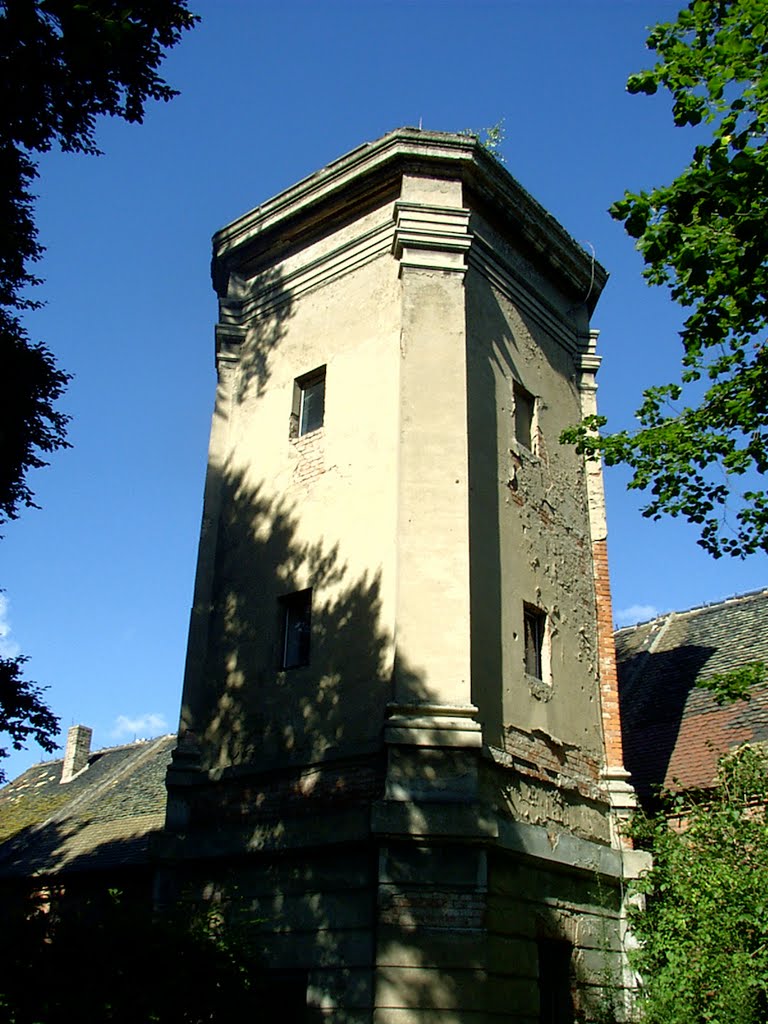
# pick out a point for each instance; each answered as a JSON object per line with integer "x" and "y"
{"x": 429, "y": 237}
{"x": 186, "y": 756}
{"x": 431, "y": 242}
{"x": 614, "y": 776}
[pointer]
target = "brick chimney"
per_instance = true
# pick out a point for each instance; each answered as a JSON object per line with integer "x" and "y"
{"x": 77, "y": 752}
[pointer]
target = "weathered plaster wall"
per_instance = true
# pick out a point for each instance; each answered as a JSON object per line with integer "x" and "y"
{"x": 433, "y": 552}
{"x": 527, "y": 905}
{"x": 309, "y": 921}
{"x": 535, "y": 503}
{"x": 317, "y": 511}
{"x": 530, "y": 543}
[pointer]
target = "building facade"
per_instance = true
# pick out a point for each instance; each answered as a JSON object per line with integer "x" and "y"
{"x": 675, "y": 729}
{"x": 400, "y": 751}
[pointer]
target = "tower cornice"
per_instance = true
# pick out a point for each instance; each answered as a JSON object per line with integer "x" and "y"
{"x": 373, "y": 173}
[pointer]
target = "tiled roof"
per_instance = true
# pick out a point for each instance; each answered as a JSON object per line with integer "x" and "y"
{"x": 103, "y": 818}
{"x": 674, "y": 733}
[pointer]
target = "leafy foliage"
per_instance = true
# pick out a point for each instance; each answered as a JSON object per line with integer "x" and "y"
{"x": 491, "y": 139}
{"x": 702, "y": 443}
{"x": 29, "y": 422}
{"x": 62, "y": 64}
{"x": 728, "y": 687}
{"x": 105, "y": 957}
{"x": 23, "y": 712}
{"x": 703, "y": 954}
{"x": 66, "y": 63}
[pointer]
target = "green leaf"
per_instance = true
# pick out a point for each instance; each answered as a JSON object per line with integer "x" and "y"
{"x": 704, "y": 237}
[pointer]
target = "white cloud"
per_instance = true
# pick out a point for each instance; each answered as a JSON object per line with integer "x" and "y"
{"x": 140, "y": 726}
{"x": 8, "y": 647}
{"x": 636, "y": 613}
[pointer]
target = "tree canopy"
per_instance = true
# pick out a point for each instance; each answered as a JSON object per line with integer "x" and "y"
{"x": 63, "y": 63}
{"x": 101, "y": 956}
{"x": 24, "y": 714}
{"x": 703, "y": 934}
{"x": 702, "y": 442}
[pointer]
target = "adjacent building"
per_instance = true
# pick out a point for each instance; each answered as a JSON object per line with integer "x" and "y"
{"x": 76, "y": 827}
{"x": 675, "y": 731}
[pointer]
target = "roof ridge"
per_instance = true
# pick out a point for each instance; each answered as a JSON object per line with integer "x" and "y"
{"x": 643, "y": 656}
{"x": 652, "y": 647}
{"x": 90, "y": 793}
{"x": 731, "y": 599}
{"x": 49, "y": 762}
{"x": 145, "y": 741}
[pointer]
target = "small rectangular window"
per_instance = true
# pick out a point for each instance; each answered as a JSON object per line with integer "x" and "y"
{"x": 308, "y": 411}
{"x": 556, "y": 1005}
{"x": 534, "y": 626}
{"x": 297, "y": 629}
{"x": 525, "y": 405}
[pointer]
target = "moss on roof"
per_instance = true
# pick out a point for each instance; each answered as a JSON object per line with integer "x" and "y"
{"x": 106, "y": 813}
{"x": 33, "y": 801}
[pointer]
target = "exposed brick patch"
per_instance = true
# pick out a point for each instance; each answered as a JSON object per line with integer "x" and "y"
{"x": 432, "y": 908}
{"x": 308, "y": 456}
{"x": 546, "y": 513}
{"x": 514, "y": 493}
{"x": 609, "y": 688}
{"x": 546, "y": 759}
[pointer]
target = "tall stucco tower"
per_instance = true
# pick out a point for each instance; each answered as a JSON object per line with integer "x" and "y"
{"x": 399, "y": 732}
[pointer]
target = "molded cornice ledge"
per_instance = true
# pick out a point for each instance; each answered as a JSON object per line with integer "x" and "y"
{"x": 372, "y": 173}
{"x": 431, "y": 237}
{"x": 621, "y": 794}
{"x": 433, "y": 725}
{"x": 339, "y": 184}
{"x": 229, "y": 341}
{"x": 589, "y": 361}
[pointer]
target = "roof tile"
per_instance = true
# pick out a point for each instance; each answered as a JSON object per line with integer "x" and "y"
{"x": 674, "y": 732}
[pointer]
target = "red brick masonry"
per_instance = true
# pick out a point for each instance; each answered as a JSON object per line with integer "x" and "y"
{"x": 609, "y": 687}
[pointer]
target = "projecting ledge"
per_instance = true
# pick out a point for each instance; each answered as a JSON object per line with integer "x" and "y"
{"x": 431, "y": 237}
{"x": 433, "y": 725}
{"x": 283, "y": 835}
{"x": 570, "y": 852}
{"x": 458, "y": 822}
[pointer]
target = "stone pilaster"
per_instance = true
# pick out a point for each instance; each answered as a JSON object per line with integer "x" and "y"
{"x": 433, "y": 664}
{"x": 229, "y": 340}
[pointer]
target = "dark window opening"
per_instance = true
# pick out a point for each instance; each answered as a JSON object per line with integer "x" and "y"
{"x": 308, "y": 411}
{"x": 534, "y": 625}
{"x": 525, "y": 405}
{"x": 297, "y": 629}
{"x": 555, "y": 982}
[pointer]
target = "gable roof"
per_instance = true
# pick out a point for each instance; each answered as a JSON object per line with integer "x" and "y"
{"x": 674, "y": 733}
{"x": 104, "y": 818}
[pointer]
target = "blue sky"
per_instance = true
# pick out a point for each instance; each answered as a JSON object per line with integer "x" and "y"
{"x": 98, "y": 583}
